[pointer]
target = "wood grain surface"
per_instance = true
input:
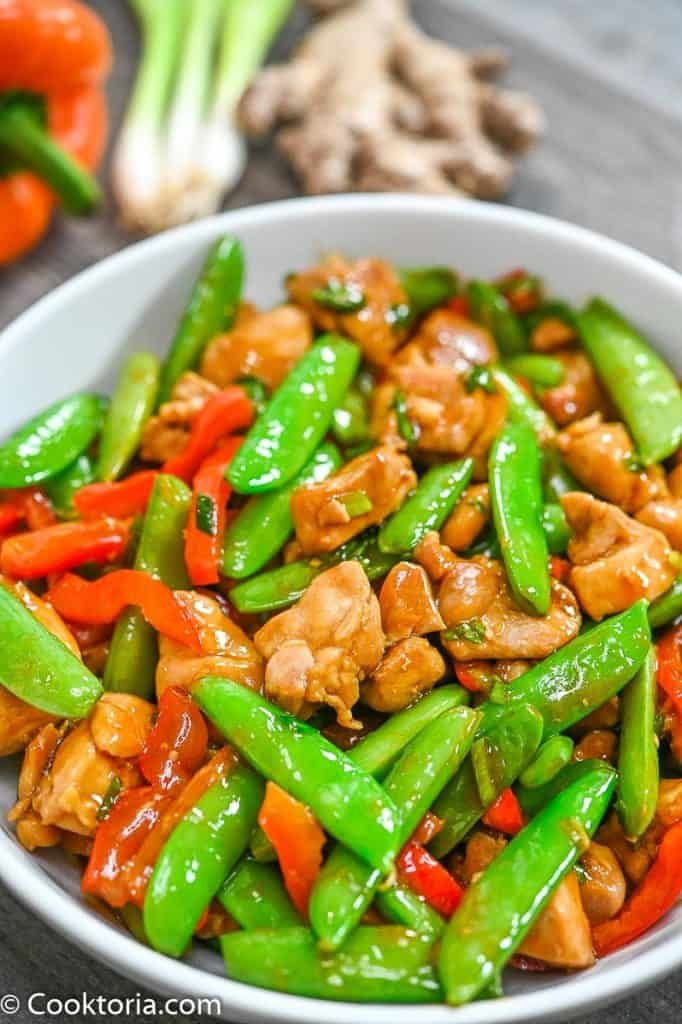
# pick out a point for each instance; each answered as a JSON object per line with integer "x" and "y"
{"x": 608, "y": 76}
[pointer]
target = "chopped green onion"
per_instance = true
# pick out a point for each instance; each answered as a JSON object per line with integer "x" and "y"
{"x": 206, "y": 515}
{"x": 356, "y": 503}
{"x": 406, "y": 428}
{"x": 109, "y": 799}
{"x": 472, "y": 631}
{"x": 481, "y": 377}
{"x": 339, "y": 297}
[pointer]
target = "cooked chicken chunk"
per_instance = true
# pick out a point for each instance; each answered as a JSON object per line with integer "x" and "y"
{"x": 561, "y": 936}
{"x": 166, "y": 434}
{"x": 321, "y": 649}
{"x": 600, "y": 455}
{"x": 265, "y": 345}
{"x": 467, "y": 519}
{"x": 634, "y": 858}
{"x": 603, "y": 887}
{"x": 226, "y": 650}
{"x": 578, "y": 395}
{"x": 375, "y": 326}
{"x": 408, "y": 607}
{"x": 664, "y": 515}
{"x": 669, "y": 804}
{"x": 597, "y": 744}
{"x": 120, "y": 724}
{"x": 675, "y": 481}
{"x": 409, "y": 669}
{"x": 551, "y": 334}
{"x": 616, "y": 560}
{"x": 436, "y": 558}
{"x": 323, "y": 513}
{"x": 483, "y": 620}
{"x": 481, "y": 850}
{"x": 447, "y": 338}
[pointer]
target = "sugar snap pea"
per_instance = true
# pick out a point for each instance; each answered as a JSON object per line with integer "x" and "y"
{"x": 554, "y": 754}
{"x": 255, "y": 896}
{"x": 638, "y": 751}
{"x": 428, "y": 287}
{"x": 533, "y": 800}
{"x": 426, "y": 508}
{"x": 61, "y": 488}
{"x": 490, "y": 307}
{"x": 286, "y": 434}
{"x": 521, "y": 408}
{"x": 541, "y": 370}
{"x": 403, "y": 906}
{"x": 211, "y": 308}
{"x": 350, "y": 423}
{"x": 667, "y": 607}
{"x": 557, "y": 480}
{"x": 556, "y": 529}
{"x": 131, "y": 406}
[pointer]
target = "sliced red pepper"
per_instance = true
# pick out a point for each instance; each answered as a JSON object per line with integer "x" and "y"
{"x": 121, "y": 498}
{"x": 468, "y": 678}
{"x": 224, "y": 413}
{"x": 177, "y": 744}
{"x": 522, "y": 290}
{"x": 11, "y": 516}
{"x": 426, "y": 876}
{"x": 460, "y": 304}
{"x": 654, "y": 896}
{"x": 57, "y": 548}
{"x": 670, "y": 667}
{"x": 505, "y": 814}
{"x": 207, "y": 517}
{"x": 117, "y": 839}
{"x": 38, "y": 510}
{"x": 102, "y": 601}
{"x": 559, "y": 568}
{"x": 427, "y": 829}
{"x": 298, "y": 839}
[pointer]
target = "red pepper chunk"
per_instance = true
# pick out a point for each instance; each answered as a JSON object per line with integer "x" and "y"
{"x": 559, "y": 568}
{"x": 654, "y": 896}
{"x": 117, "y": 839}
{"x": 101, "y": 601}
{"x": 426, "y": 876}
{"x": 298, "y": 839}
{"x": 29, "y": 556}
{"x": 468, "y": 678}
{"x": 670, "y": 667}
{"x": 460, "y": 304}
{"x": 11, "y": 516}
{"x": 224, "y": 413}
{"x": 122, "y": 498}
{"x": 207, "y": 517}
{"x": 505, "y": 814}
{"x": 177, "y": 744}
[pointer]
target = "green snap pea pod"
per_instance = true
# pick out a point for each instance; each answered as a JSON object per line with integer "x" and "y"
{"x": 132, "y": 919}
{"x": 427, "y": 507}
{"x": 557, "y": 479}
{"x": 533, "y": 800}
{"x": 61, "y": 488}
{"x": 403, "y": 906}
{"x": 350, "y": 422}
{"x": 507, "y": 747}
{"x": 256, "y": 391}
{"x": 200, "y": 851}
{"x": 521, "y": 408}
{"x": 642, "y": 387}
{"x": 582, "y": 675}
{"x": 265, "y": 523}
{"x": 490, "y": 307}
{"x": 556, "y": 529}
{"x": 386, "y": 964}
{"x": 428, "y": 287}
{"x": 516, "y": 503}
{"x": 51, "y": 441}
{"x": 554, "y": 754}
{"x": 133, "y": 652}
{"x": 260, "y": 847}
{"x": 500, "y": 907}
{"x": 345, "y": 886}
{"x": 255, "y": 896}
{"x": 541, "y": 370}
{"x": 38, "y": 668}
{"x": 211, "y": 308}
{"x": 286, "y": 434}
{"x": 349, "y": 803}
{"x": 638, "y": 751}
{"x": 132, "y": 403}
{"x": 667, "y": 607}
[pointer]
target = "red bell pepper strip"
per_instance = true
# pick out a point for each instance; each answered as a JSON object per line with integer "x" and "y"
{"x": 117, "y": 839}
{"x": 177, "y": 744}
{"x": 121, "y": 498}
{"x": 505, "y": 814}
{"x": 426, "y": 876}
{"x": 559, "y": 568}
{"x": 460, "y": 304}
{"x": 102, "y": 601}
{"x": 207, "y": 517}
{"x": 38, "y": 510}
{"x": 11, "y": 516}
{"x": 468, "y": 678}
{"x": 29, "y": 556}
{"x": 298, "y": 839}
{"x": 224, "y": 413}
{"x": 522, "y": 291}
{"x": 670, "y": 667}
{"x": 653, "y": 897}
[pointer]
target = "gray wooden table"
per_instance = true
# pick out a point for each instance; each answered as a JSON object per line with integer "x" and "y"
{"x": 610, "y": 80}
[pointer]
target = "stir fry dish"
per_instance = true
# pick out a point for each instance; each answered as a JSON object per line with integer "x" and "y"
{"x": 348, "y": 637}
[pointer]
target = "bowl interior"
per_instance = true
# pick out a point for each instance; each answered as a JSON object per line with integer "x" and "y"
{"x": 76, "y": 338}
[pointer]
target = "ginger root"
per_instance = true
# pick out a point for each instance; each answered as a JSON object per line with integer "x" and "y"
{"x": 370, "y": 103}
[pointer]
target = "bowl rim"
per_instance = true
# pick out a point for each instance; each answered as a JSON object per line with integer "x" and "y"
{"x": 36, "y": 889}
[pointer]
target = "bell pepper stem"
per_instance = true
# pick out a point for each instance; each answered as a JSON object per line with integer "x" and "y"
{"x": 29, "y": 143}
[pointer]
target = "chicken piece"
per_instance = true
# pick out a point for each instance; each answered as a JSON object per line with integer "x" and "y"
{"x": 265, "y": 345}
{"x": 226, "y": 649}
{"x": 675, "y": 481}
{"x": 634, "y": 858}
{"x": 449, "y": 339}
{"x": 435, "y": 557}
{"x": 467, "y": 519}
{"x": 599, "y": 743}
{"x": 408, "y": 670}
{"x": 375, "y": 326}
{"x": 605, "y": 717}
{"x": 551, "y": 334}
{"x": 120, "y": 724}
{"x": 321, "y": 649}
{"x": 322, "y": 521}
{"x": 669, "y": 804}
{"x": 408, "y": 607}
{"x": 483, "y": 620}
{"x": 481, "y": 850}
{"x": 561, "y": 936}
{"x": 616, "y": 560}
{"x": 603, "y": 886}
{"x": 510, "y": 669}
{"x": 664, "y": 515}
{"x": 602, "y": 457}
{"x": 33, "y": 835}
{"x": 578, "y": 395}
{"x": 166, "y": 434}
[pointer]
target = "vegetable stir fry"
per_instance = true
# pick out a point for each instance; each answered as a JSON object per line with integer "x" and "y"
{"x": 350, "y": 635}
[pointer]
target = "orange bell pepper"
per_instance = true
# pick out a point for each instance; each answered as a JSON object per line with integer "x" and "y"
{"x": 298, "y": 839}
{"x": 177, "y": 743}
{"x": 224, "y": 413}
{"x": 29, "y": 556}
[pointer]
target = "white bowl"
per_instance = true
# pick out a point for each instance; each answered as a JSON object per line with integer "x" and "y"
{"x": 76, "y": 337}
